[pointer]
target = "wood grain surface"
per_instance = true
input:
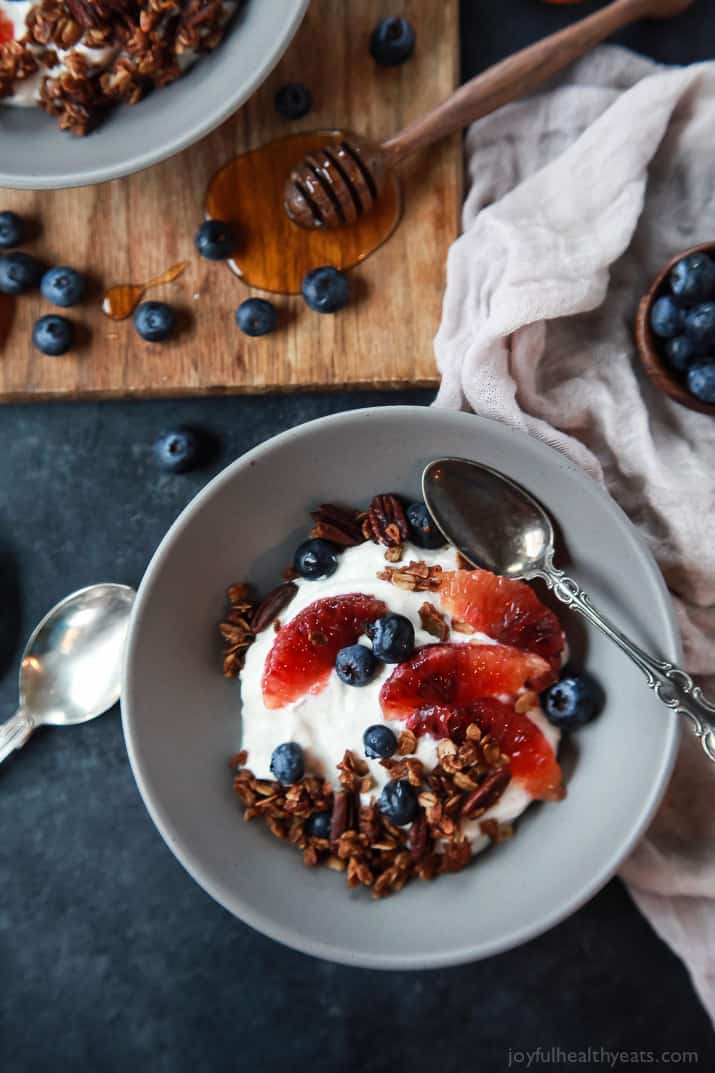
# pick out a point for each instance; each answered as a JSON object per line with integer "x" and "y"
{"x": 132, "y": 229}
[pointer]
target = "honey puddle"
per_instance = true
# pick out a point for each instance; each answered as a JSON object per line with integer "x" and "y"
{"x": 120, "y": 301}
{"x": 273, "y": 253}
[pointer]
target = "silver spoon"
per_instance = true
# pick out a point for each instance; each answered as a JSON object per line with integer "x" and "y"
{"x": 72, "y": 663}
{"x": 497, "y": 525}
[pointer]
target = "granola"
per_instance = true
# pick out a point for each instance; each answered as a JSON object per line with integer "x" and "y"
{"x": 77, "y": 58}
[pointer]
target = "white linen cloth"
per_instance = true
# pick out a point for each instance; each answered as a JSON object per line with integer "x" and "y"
{"x": 577, "y": 197}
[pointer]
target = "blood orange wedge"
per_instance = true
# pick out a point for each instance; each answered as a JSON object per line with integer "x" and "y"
{"x": 509, "y": 611}
{"x": 533, "y": 762}
{"x": 457, "y": 674}
{"x": 304, "y": 651}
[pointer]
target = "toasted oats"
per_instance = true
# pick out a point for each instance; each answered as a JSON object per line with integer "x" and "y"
{"x": 406, "y": 743}
{"x": 526, "y": 701}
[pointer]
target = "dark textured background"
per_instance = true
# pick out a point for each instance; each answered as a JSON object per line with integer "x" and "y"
{"x": 112, "y": 959}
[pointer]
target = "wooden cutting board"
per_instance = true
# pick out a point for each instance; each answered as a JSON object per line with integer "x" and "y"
{"x": 132, "y": 229}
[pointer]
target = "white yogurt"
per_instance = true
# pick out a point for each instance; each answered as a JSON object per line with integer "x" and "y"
{"x": 327, "y": 723}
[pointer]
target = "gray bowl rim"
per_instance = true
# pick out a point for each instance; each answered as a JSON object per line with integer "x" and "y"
{"x": 290, "y": 937}
{"x": 213, "y": 118}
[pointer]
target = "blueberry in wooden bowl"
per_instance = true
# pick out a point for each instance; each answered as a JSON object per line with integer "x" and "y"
{"x": 675, "y": 329}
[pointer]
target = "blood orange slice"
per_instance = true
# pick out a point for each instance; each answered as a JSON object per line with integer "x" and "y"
{"x": 304, "y": 651}
{"x": 533, "y": 762}
{"x": 509, "y": 611}
{"x": 458, "y": 674}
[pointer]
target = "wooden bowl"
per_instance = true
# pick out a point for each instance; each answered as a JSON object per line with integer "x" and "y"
{"x": 652, "y": 360}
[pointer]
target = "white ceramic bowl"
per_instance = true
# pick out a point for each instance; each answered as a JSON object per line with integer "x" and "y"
{"x": 36, "y": 155}
{"x": 181, "y": 718}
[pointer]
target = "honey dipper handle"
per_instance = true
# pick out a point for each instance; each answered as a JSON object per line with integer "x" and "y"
{"x": 521, "y": 73}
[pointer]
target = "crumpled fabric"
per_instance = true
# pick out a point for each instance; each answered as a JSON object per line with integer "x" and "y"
{"x": 577, "y": 197}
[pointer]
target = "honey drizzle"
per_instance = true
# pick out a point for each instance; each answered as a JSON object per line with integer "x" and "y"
{"x": 120, "y": 301}
{"x": 273, "y": 253}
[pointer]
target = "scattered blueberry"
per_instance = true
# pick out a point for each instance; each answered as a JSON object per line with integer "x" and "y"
{"x": 63, "y": 286}
{"x": 355, "y": 665}
{"x": 701, "y": 381}
{"x": 215, "y": 240}
{"x": 53, "y": 334}
{"x": 293, "y": 100}
{"x": 256, "y": 316}
{"x": 392, "y": 41}
{"x": 12, "y": 230}
{"x": 326, "y": 289}
{"x": 680, "y": 353}
{"x": 178, "y": 450}
{"x": 666, "y": 317}
{"x": 693, "y": 279}
{"x": 398, "y": 801}
{"x": 287, "y": 762}
{"x": 573, "y": 701}
{"x": 316, "y": 558}
{"x": 393, "y": 638}
{"x": 19, "y": 272}
{"x": 423, "y": 530}
{"x": 318, "y": 825}
{"x": 700, "y": 324}
{"x": 379, "y": 742}
{"x": 154, "y": 321}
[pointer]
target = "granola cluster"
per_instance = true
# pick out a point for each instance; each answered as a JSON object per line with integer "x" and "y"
{"x": 373, "y": 852}
{"x": 143, "y": 43}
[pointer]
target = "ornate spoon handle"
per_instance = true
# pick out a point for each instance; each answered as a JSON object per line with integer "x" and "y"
{"x": 671, "y": 684}
{"x": 15, "y": 732}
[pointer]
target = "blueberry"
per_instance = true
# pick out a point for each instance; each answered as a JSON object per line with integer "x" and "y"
{"x": 423, "y": 530}
{"x": 701, "y": 381}
{"x": 287, "y": 762}
{"x": 693, "y": 279}
{"x": 392, "y": 41}
{"x": 215, "y": 240}
{"x": 293, "y": 100}
{"x": 700, "y": 324}
{"x": 666, "y": 317}
{"x": 53, "y": 334}
{"x": 398, "y": 801}
{"x": 355, "y": 665}
{"x": 63, "y": 286}
{"x": 12, "y": 230}
{"x": 19, "y": 272}
{"x": 573, "y": 701}
{"x": 316, "y": 558}
{"x": 318, "y": 825}
{"x": 379, "y": 742}
{"x": 393, "y": 638}
{"x": 326, "y": 289}
{"x": 256, "y": 316}
{"x": 178, "y": 450}
{"x": 680, "y": 352}
{"x": 154, "y": 321}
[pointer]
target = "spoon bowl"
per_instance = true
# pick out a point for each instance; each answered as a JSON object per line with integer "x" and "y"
{"x": 71, "y": 668}
{"x": 491, "y": 520}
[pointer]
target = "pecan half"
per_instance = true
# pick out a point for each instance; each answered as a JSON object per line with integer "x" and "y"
{"x": 271, "y": 605}
{"x": 486, "y": 794}
{"x": 387, "y": 521}
{"x": 344, "y": 815}
{"x": 340, "y": 525}
{"x": 419, "y": 840}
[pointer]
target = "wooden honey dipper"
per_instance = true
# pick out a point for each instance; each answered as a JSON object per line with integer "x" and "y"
{"x": 335, "y": 185}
